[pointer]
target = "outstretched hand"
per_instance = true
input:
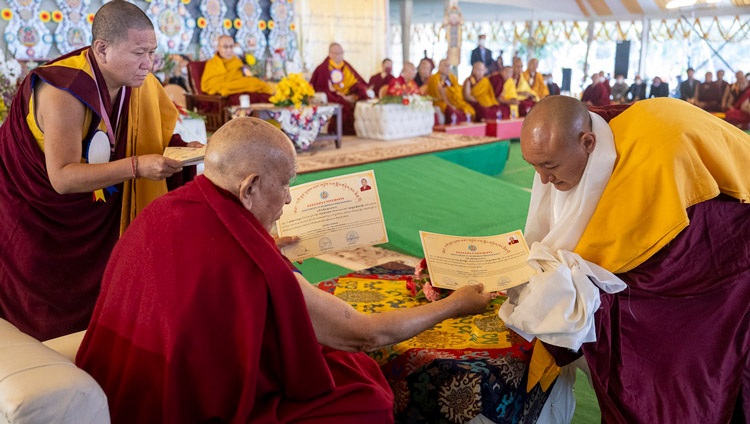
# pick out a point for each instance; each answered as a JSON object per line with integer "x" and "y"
{"x": 157, "y": 167}
{"x": 470, "y": 300}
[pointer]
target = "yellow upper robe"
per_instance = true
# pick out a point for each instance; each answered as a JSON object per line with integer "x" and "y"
{"x": 225, "y": 77}
{"x": 454, "y": 93}
{"x": 537, "y": 85}
{"x": 484, "y": 93}
{"x": 348, "y": 81}
{"x": 522, "y": 86}
{"x": 670, "y": 156}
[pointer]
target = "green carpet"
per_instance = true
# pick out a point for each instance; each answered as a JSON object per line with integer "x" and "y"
{"x": 316, "y": 270}
{"x": 489, "y": 159}
{"x": 517, "y": 171}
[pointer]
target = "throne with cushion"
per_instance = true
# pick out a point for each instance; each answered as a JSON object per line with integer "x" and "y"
{"x": 212, "y": 106}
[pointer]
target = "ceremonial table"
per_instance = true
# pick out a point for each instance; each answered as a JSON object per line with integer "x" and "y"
{"x": 452, "y": 372}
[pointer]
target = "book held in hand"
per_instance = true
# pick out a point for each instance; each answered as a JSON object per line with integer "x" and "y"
{"x": 186, "y": 155}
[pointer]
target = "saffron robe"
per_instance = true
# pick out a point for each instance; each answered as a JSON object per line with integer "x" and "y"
{"x": 224, "y": 77}
{"x": 54, "y": 247}
{"x": 675, "y": 346}
{"x": 487, "y": 105}
{"x": 219, "y": 334}
{"x": 456, "y": 105}
{"x": 537, "y": 84}
{"x": 321, "y": 82}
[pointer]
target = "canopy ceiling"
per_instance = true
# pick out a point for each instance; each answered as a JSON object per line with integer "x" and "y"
{"x": 519, "y": 10}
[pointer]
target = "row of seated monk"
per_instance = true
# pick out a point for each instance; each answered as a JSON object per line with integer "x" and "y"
{"x": 505, "y": 93}
{"x": 718, "y": 96}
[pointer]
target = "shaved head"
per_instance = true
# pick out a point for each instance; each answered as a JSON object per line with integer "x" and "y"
{"x": 336, "y": 53}
{"x": 113, "y": 20}
{"x": 557, "y": 138}
{"x": 409, "y": 71}
{"x": 256, "y": 162}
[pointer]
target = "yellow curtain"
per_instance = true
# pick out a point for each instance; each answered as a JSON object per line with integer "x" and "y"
{"x": 359, "y": 26}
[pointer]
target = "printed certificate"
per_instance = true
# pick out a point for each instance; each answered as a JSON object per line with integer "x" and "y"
{"x": 498, "y": 262}
{"x": 333, "y": 214}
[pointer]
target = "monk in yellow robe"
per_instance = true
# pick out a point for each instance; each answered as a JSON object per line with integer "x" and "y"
{"x": 480, "y": 94}
{"x": 342, "y": 84}
{"x": 535, "y": 79}
{"x": 527, "y": 97}
{"x": 225, "y": 74}
{"x": 448, "y": 95}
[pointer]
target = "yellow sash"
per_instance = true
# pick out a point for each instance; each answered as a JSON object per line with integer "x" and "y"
{"x": 484, "y": 93}
{"x": 537, "y": 85}
{"x": 670, "y": 155}
{"x": 348, "y": 77}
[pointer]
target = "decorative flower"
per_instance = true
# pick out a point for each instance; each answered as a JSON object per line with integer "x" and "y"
{"x": 90, "y": 18}
{"x": 292, "y": 90}
{"x": 292, "y": 26}
{"x": 405, "y": 101}
{"x": 238, "y": 23}
{"x": 262, "y": 25}
{"x": 201, "y": 22}
{"x": 227, "y": 24}
{"x": 270, "y": 24}
{"x": 419, "y": 285}
{"x": 185, "y": 1}
{"x": 7, "y": 14}
{"x": 250, "y": 60}
{"x": 44, "y": 16}
{"x": 57, "y": 16}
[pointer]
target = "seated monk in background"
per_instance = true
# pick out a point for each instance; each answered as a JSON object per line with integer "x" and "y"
{"x": 708, "y": 94}
{"x": 424, "y": 71}
{"x": 596, "y": 94}
{"x": 225, "y": 74}
{"x": 448, "y": 95}
{"x": 403, "y": 85}
{"x": 231, "y": 332}
{"x": 480, "y": 94}
{"x": 738, "y": 101}
{"x": 535, "y": 79}
{"x": 508, "y": 96}
{"x": 342, "y": 84}
{"x": 382, "y": 78}
{"x": 527, "y": 97}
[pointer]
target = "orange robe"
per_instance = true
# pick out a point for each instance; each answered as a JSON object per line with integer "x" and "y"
{"x": 538, "y": 84}
{"x": 453, "y": 92}
{"x": 225, "y": 77}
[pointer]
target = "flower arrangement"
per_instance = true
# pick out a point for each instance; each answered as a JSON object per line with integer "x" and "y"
{"x": 419, "y": 285}
{"x": 405, "y": 94}
{"x": 292, "y": 90}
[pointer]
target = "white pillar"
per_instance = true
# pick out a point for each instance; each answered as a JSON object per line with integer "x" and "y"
{"x": 589, "y": 40}
{"x": 644, "y": 46}
{"x": 407, "y": 8}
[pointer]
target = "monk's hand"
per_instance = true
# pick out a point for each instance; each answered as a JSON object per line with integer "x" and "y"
{"x": 195, "y": 144}
{"x": 285, "y": 241}
{"x": 470, "y": 300}
{"x": 157, "y": 167}
{"x": 513, "y": 101}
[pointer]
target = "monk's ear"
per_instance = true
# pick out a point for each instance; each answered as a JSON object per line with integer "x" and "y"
{"x": 100, "y": 50}
{"x": 588, "y": 141}
{"x": 249, "y": 187}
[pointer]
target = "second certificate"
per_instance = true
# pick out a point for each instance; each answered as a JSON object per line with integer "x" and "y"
{"x": 333, "y": 214}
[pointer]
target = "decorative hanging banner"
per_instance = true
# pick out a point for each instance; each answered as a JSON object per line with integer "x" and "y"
{"x": 453, "y": 22}
{"x": 282, "y": 40}
{"x": 173, "y": 23}
{"x": 26, "y": 36}
{"x": 213, "y": 12}
{"x": 250, "y": 35}
{"x": 74, "y": 31}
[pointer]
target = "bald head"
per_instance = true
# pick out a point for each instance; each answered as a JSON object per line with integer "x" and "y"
{"x": 113, "y": 20}
{"x": 557, "y": 138}
{"x": 225, "y": 46}
{"x": 244, "y": 146}
{"x": 409, "y": 71}
{"x": 336, "y": 53}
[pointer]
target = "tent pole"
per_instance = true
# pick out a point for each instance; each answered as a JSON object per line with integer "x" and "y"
{"x": 407, "y": 7}
{"x": 589, "y": 40}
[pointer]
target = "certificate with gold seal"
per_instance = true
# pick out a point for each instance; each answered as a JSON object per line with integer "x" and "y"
{"x": 498, "y": 262}
{"x": 334, "y": 214}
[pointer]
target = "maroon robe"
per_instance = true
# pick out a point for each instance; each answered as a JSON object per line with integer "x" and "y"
{"x": 734, "y": 115}
{"x": 674, "y": 347}
{"x": 709, "y": 96}
{"x": 320, "y": 81}
{"x": 219, "y": 333}
{"x": 377, "y": 81}
{"x": 53, "y": 247}
{"x": 597, "y": 94}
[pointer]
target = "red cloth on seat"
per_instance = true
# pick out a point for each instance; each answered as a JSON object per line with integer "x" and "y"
{"x": 220, "y": 332}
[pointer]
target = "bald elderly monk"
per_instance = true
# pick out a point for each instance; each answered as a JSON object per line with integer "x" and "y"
{"x": 656, "y": 194}
{"x": 448, "y": 95}
{"x": 480, "y": 94}
{"x": 527, "y": 97}
{"x": 80, "y": 155}
{"x": 596, "y": 94}
{"x": 231, "y": 332}
{"x": 225, "y": 74}
{"x": 535, "y": 79}
{"x": 342, "y": 84}
{"x": 403, "y": 85}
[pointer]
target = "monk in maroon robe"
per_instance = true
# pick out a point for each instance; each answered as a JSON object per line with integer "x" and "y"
{"x": 596, "y": 94}
{"x": 708, "y": 94}
{"x": 382, "y": 78}
{"x": 61, "y": 204}
{"x": 228, "y": 331}
{"x": 342, "y": 84}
